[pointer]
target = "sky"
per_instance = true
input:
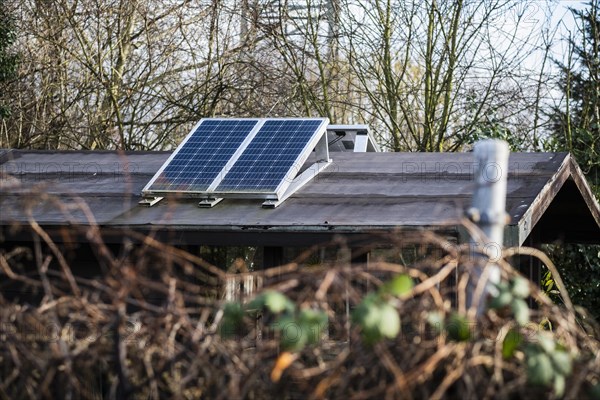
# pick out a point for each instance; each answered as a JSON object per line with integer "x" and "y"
{"x": 559, "y": 16}
{"x": 554, "y": 20}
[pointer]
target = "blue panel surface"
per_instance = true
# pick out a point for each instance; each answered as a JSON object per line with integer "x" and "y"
{"x": 198, "y": 161}
{"x": 271, "y": 155}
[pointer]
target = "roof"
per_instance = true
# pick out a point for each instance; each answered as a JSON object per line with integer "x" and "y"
{"x": 357, "y": 194}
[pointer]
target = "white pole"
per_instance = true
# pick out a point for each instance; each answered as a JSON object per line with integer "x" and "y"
{"x": 488, "y": 211}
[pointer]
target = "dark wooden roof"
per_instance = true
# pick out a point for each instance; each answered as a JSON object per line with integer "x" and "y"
{"x": 359, "y": 193}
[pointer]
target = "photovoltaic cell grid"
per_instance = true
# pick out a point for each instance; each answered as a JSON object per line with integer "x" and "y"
{"x": 201, "y": 158}
{"x": 238, "y": 156}
{"x": 265, "y": 163}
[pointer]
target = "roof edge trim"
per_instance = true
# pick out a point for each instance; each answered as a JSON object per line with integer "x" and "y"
{"x": 569, "y": 169}
{"x": 543, "y": 199}
{"x": 585, "y": 190}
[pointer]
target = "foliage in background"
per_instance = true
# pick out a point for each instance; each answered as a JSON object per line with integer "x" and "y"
{"x": 579, "y": 266}
{"x": 491, "y": 128}
{"x": 577, "y": 121}
{"x": 8, "y": 59}
{"x": 576, "y": 128}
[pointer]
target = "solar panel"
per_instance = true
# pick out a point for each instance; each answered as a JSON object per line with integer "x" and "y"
{"x": 252, "y": 158}
{"x": 200, "y": 158}
{"x": 272, "y": 157}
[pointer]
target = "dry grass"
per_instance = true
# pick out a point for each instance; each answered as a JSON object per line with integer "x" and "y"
{"x": 149, "y": 328}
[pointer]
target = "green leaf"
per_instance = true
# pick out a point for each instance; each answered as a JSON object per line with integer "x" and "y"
{"x": 458, "y": 328}
{"x": 520, "y": 287}
{"x": 436, "y": 320}
{"x": 503, "y": 286}
{"x": 562, "y": 362}
{"x": 389, "y": 323}
{"x": 233, "y": 315}
{"x": 511, "y": 342}
{"x": 521, "y": 311}
{"x": 306, "y": 328}
{"x": 377, "y": 319}
{"x": 257, "y": 303}
{"x": 313, "y": 324}
{"x": 371, "y": 335}
{"x": 502, "y": 300}
{"x": 368, "y": 316}
{"x": 539, "y": 369}
{"x": 546, "y": 342}
{"x": 233, "y": 311}
{"x": 293, "y": 335}
{"x": 313, "y": 316}
{"x": 228, "y": 328}
{"x": 399, "y": 285}
{"x": 277, "y": 302}
{"x": 559, "y": 385}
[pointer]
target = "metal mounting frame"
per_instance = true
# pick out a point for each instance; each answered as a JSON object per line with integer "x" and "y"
{"x": 301, "y": 180}
{"x": 150, "y": 201}
{"x": 363, "y": 140}
{"x": 209, "y": 202}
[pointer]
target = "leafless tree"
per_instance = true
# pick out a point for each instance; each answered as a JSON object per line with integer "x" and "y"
{"x": 135, "y": 75}
{"x": 434, "y": 70}
{"x": 119, "y": 74}
{"x": 424, "y": 75}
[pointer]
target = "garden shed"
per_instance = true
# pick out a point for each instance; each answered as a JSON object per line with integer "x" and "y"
{"x": 359, "y": 197}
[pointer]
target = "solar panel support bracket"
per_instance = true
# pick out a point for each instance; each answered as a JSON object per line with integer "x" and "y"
{"x": 149, "y": 201}
{"x": 209, "y": 202}
{"x": 322, "y": 149}
{"x": 298, "y": 182}
{"x": 359, "y": 134}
